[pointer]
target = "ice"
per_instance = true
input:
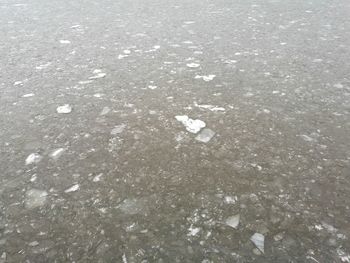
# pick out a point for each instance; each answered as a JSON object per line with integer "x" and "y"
{"x": 118, "y": 129}
{"x": 66, "y": 108}
{"x": 258, "y": 240}
{"x": 205, "y": 136}
{"x": 205, "y": 78}
{"x": 230, "y": 199}
{"x": 192, "y": 231}
{"x": 105, "y": 111}
{"x": 28, "y": 95}
{"x": 97, "y": 178}
{"x": 73, "y": 188}
{"x": 193, "y": 126}
{"x": 132, "y": 206}
{"x": 209, "y": 107}
{"x": 35, "y": 198}
{"x": 33, "y": 158}
{"x": 152, "y": 87}
{"x": 33, "y": 244}
{"x": 98, "y": 75}
{"x": 57, "y": 153}
{"x": 233, "y": 221}
{"x": 192, "y": 65}
{"x": 64, "y": 41}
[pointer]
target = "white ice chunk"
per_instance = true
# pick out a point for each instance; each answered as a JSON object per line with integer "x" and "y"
{"x": 118, "y": 129}
{"x": 192, "y": 65}
{"x": 233, "y": 221}
{"x": 57, "y": 153}
{"x": 206, "y": 78}
{"x": 33, "y": 158}
{"x": 64, "y": 41}
{"x": 193, "y": 126}
{"x": 73, "y": 188}
{"x": 35, "y": 198}
{"x": 258, "y": 240}
{"x": 205, "y": 136}
{"x": 66, "y": 108}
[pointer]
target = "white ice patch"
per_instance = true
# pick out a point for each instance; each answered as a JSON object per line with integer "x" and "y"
{"x": 33, "y": 158}
{"x": 105, "y": 111}
{"x": 28, "y": 95}
{"x": 156, "y": 47}
{"x": 258, "y": 240}
{"x": 193, "y": 126}
{"x": 205, "y": 77}
{"x": 192, "y": 231}
{"x": 64, "y": 41}
{"x": 118, "y": 129}
{"x": 73, "y": 188}
{"x": 97, "y": 178}
{"x": 205, "y": 135}
{"x": 209, "y": 107}
{"x": 98, "y": 74}
{"x": 233, "y": 221}
{"x": 66, "y": 108}
{"x": 35, "y": 198}
{"x": 192, "y": 65}
{"x": 152, "y": 87}
{"x": 122, "y": 56}
{"x": 57, "y": 153}
{"x": 230, "y": 200}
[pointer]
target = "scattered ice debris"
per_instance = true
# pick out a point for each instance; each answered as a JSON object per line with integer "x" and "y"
{"x": 344, "y": 257}
{"x": 156, "y": 47}
{"x": 205, "y": 135}
{"x": 189, "y": 22}
{"x": 33, "y": 178}
{"x": 338, "y": 86}
{"x": 258, "y": 240}
{"x": 73, "y": 188}
{"x": 43, "y": 66}
{"x": 152, "y": 87}
{"x": 192, "y": 231}
{"x": 193, "y": 126}
{"x": 307, "y": 138}
{"x": 66, "y": 108}
{"x": 98, "y": 95}
{"x": 230, "y": 200}
{"x": 124, "y": 259}
{"x": 57, "y": 153}
{"x": 278, "y": 237}
{"x": 98, "y": 74}
{"x": 205, "y": 78}
{"x": 233, "y": 221}
{"x": 16, "y": 83}
{"x": 33, "y": 244}
{"x": 127, "y": 51}
{"x": 209, "y": 107}
{"x": 35, "y": 198}
{"x": 97, "y": 178}
{"x": 118, "y": 129}
{"x": 28, "y": 95}
{"x": 64, "y": 41}
{"x": 192, "y": 65}
{"x": 105, "y": 111}
{"x": 33, "y": 158}
{"x": 122, "y": 56}
{"x": 132, "y": 206}
{"x": 75, "y": 26}
{"x": 83, "y": 82}
{"x": 248, "y": 94}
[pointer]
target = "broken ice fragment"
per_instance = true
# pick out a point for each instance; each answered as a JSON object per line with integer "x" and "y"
{"x": 118, "y": 129}
{"x": 97, "y": 178}
{"x": 72, "y": 188}
{"x": 64, "y": 41}
{"x": 57, "y": 153}
{"x": 66, "y": 108}
{"x": 33, "y": 158}
{"x": 33, "y": 244}
{"x": 35, "y": 198}
{"x": 28, "y": 95}
{"x": 98, "y": 75}
{"x": 192, "y": 65}
{"x": 205, "y": 136}
{"x": 258, "y": 240}
{"x": 192, "y": 231}
{"x": 233, "y": 221}
{"x": 105, "y": 111}
{"x": 206, "y": 78}
{"x": 193, "y": 126}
